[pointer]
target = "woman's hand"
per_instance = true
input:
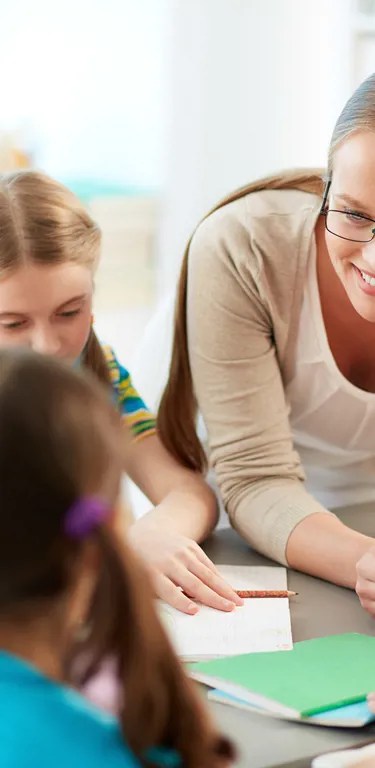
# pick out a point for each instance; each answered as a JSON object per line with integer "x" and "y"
{"x": 365, "y": 586}
{"x": 177, "y": 563}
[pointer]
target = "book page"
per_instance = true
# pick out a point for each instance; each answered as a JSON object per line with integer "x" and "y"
{"x": 261, "y": 624}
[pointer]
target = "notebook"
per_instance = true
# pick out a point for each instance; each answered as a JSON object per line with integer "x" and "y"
{"x": 348, "y": 758}
{"x": 350, "y": 716}
{"x": 258, "y": 625}
{"x": 314, "y": 677}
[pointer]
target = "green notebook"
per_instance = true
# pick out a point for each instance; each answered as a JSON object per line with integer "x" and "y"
{"x": 316, "y": 676}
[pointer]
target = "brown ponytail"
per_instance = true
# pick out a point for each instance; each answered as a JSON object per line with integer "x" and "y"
{"x": 158, "y": 706}
{"x": 94, "y": 359}
{"x": 178, "y": 406}
{"x": 68, "y": 438}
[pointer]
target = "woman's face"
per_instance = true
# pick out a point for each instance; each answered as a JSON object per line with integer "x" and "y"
{"x": 48, "y": 309}
{"x": 353, "y": 191}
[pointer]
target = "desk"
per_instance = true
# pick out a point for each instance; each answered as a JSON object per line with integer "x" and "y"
{"x": 320, "y": 609}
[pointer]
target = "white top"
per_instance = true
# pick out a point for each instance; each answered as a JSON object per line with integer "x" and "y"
{"x": 333, "y": 422}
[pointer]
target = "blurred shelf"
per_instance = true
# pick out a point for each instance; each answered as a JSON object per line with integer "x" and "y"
{"x": 89, "y": 189}
{"x": 127, "y": 271}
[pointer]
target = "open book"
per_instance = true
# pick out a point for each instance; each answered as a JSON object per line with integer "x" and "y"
{"x": 258, "y": 625}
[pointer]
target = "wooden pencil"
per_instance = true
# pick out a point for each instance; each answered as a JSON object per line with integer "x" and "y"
{"x": 264, "y": 593}
{"x": 245, "y": 593}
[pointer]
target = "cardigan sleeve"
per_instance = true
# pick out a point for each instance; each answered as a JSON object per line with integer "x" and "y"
{"x": 238, "y": 384}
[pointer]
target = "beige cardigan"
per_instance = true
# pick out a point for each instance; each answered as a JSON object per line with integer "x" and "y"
{"x": 247, "y": 267}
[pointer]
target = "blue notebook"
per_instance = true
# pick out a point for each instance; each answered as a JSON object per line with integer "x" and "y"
{"x": 350, "y": 716}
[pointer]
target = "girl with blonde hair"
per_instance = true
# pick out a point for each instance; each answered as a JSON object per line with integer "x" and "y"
{"x": 49, "y": 251}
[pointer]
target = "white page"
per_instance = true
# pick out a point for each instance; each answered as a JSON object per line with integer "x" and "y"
{"x": 261, "y": 624}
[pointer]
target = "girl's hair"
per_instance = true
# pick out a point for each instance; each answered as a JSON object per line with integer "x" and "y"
{"x": 44, "y": 222}
{"x": 60, "y": 440}
{"x": 178, "y": 406}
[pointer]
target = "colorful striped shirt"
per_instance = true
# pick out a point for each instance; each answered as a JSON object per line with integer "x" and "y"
{"x": 137, "y": 417}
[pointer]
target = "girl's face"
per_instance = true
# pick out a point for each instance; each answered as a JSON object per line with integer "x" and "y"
{"x": 353, "y": 191}
{"x": 48, "y": 309}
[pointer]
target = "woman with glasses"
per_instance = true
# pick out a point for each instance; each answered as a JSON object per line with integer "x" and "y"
{"x": 274, "y": 343}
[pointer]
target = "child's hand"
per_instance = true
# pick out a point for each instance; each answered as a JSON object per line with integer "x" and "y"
{"x": 365, "y": 586}
{"x": 177, "y": 563}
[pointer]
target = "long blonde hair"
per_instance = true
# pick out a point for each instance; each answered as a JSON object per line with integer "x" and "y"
{"x": 44, "y": 222}
{"x": 178, "y": 407}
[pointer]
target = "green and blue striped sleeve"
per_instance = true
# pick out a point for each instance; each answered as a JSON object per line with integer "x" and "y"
{"x": 141, "y": 422}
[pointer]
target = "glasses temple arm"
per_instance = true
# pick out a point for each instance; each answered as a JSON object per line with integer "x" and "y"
{"x": 323, "y": 208}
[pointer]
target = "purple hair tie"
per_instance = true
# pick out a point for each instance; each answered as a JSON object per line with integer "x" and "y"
{"x": 85, "y": 515}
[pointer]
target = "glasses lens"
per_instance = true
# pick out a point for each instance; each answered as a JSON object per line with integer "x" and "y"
{"x": 350, "y": 226}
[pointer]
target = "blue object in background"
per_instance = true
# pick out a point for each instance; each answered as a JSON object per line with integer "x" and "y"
{"x": 92, "y": 189}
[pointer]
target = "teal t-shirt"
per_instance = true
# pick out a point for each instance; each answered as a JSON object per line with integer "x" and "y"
{"x": 44, "y": 725}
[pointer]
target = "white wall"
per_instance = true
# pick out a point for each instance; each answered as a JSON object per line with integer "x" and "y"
{"x": 255, "y": 86}
{"x": 194, "y": 96}
{"x": 87, "y": 76}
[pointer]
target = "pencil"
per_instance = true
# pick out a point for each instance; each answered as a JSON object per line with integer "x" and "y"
{"x": 264, "y": 593}
{"x": 244, "y": 593}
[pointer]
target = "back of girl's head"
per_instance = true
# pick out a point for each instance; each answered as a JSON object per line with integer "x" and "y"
{"x": 43, "y": 222}
{"x": 61, "y": 440}
{"x": 58, "y": 442}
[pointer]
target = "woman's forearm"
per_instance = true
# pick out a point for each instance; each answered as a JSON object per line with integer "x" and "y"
{"x": 323, "y": 546}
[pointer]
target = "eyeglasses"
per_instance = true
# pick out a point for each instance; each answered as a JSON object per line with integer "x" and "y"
{"x": 348, "y": 225}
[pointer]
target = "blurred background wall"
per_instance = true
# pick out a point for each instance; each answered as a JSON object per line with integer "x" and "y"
{"x": 151, "y": 110}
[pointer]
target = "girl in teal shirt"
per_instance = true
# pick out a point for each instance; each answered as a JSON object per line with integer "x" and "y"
{"x": 72, "y": 593}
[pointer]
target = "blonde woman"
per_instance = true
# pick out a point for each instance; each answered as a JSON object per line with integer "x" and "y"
{"x": 274, "y": 342}
{"x": 49, "y": 250}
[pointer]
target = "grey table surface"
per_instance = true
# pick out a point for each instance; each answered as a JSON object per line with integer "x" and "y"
{"x": 320, "y": 609}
